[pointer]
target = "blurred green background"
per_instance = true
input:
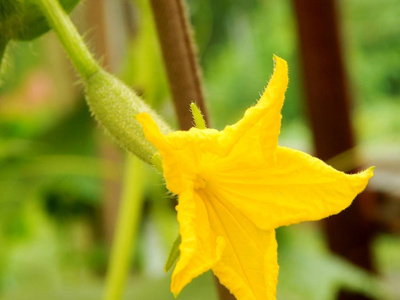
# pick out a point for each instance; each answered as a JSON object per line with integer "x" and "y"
{"x": 60, "y": 175}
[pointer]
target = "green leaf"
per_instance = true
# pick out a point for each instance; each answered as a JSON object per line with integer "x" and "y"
{"x": 22, "y": 19}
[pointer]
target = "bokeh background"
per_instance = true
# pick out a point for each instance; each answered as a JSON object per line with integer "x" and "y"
{"x": 62, "y": 178}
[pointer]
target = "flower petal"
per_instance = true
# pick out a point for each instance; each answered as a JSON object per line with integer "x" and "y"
{"x": 260, "y": 125}
{"x": 182, "y": 152}
{"x": 200, "y": 248}
{"x": 248, "y": 266}
{"x": 297, "y": 188}
{"x": 259, "y": 129}
{"x": 152, "y": 131}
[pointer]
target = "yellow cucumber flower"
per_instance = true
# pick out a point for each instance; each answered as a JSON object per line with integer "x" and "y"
{"x": 236, "y": 186}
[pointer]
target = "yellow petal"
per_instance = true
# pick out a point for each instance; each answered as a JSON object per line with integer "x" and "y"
{"x": 181, "y": 151}
{"x": 259, "y": 129}
{"x": 297, "y": 188}
{"x": 260, "y": 123}
{"x": 200, "y": 248}
{"x": 152, "y": 131}
{"x": 201, "y": 138}
{"x": 248, "y": 266}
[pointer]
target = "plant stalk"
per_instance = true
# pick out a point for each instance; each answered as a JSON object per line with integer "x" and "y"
{"x": 180, "y": 59}
{"x": 184, "y": 73}
{"x": 129, "y": 216}
{"x": 69, "y": 37}
{"x": 112, "y": 103}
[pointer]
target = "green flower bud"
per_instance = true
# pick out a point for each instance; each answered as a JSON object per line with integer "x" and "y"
{"x": 112, "y": 103}
{"x": 115, "y": 106}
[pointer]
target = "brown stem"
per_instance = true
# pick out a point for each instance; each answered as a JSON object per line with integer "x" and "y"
{"x": 180, "y": 59}
{"x": 174, "y": 33}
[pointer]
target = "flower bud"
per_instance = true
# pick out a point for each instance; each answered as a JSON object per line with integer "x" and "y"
{"x": 115, "y": 106}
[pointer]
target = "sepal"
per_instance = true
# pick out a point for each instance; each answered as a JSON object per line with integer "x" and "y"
{"x": 173, "y": 254}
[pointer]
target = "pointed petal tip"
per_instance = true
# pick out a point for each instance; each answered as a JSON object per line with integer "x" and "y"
{"x": 361, "y": 179}
{"x": 142, "y": 118}
{"x": 151, "y": 130}
{"x": 177, "y": 285}
{"x": 175, "y": 289}
{"x": 278, "y": 58}
{"x": 278, "y": 82}
{"x": 281, "y": 71}
{"x": 279, "y": 62}
{"x": 179, "y": 282}
{"x": 368, "y": 173}
{"x": 147, "y": 122}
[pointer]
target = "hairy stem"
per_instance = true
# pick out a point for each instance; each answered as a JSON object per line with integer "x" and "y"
{"x": 69, "y": 37}
{"x": 112, "y": 103}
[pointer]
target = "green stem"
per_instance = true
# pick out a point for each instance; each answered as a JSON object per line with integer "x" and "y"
{"x": 69, "y": 37}
{"x": 111, "y": 102}
{"x": 126, "y": 229}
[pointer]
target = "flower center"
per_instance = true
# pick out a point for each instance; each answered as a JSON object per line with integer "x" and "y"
{"x": 199, "y": 182}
